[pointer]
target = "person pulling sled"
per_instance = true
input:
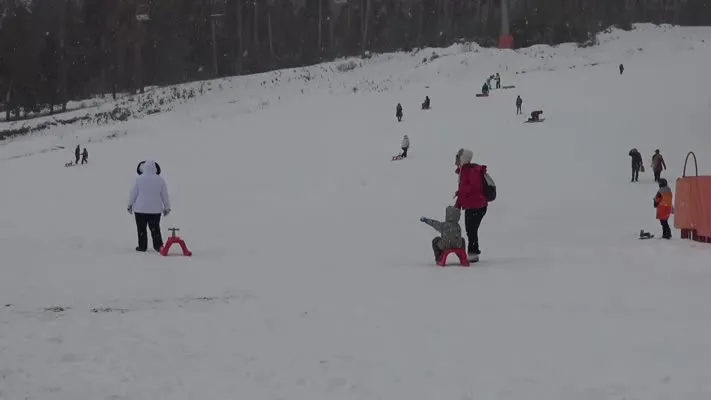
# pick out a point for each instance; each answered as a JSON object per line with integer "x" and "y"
{"x": 450, "y": 232}
{"x": 405, "y": 145}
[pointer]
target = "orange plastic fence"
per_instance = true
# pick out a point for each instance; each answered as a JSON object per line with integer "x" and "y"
{"x": 506, "y": 42}
{"x": 692, "y": 205}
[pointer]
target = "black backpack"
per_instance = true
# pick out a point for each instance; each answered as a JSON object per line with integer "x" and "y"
{"x": 489, "y": 187}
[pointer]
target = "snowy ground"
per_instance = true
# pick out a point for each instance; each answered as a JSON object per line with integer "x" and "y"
{"x": 312, "y": 277}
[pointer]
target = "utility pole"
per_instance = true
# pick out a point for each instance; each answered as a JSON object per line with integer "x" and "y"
{"x": 213, "y": 28}
{"x": 218, "y": 11}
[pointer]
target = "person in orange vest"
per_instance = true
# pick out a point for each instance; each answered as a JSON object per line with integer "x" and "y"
{"x": 663, "y": 202}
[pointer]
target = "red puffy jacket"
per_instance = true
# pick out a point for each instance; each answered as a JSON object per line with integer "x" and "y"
{"x": 471, "y": 187}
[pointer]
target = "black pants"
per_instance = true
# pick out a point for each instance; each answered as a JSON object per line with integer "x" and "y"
{"x": 518, "y": 110}
{"x": 399, "y": 117}
{"x": 657, "y": 174}
{"x": 84, "y": 160}
{"x": 666, "y": 230}
{"x": 152, "y": 222}
{"x": 404, "y": 152}
{"x": 76, "y": 161}
{"x": 635, "y": 173}
{"x": 472, "y": 221}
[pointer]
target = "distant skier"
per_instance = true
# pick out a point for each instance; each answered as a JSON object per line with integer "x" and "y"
{"x": 398, "y": 112}
{"x": 450, "y": 231}
{"x": 657, "y": 165}
{"x": 405, "y": 145}
{"x": 519, "y": 103}
{"x": 535, "y": 116}
{"x": 663, "y": 202}
{"x": 622, "y": 69}
{"x": 149, "y": 198}
{"x": 84, "y": 156}
{"x": 637, "y": 164}
{"x": 498, "y": 81}
{"x": 473, "y": 178}
{"x": 426, "y": 103}
{"x": 77, "y": 154}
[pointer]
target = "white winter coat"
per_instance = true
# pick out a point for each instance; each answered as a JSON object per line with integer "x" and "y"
{"x": 150, "y": 193}
{"x": 405, "y": 143}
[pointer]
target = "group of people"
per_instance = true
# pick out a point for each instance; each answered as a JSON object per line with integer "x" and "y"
{"x": 664, "y": 199}
{"x": 475, "y": 190}
{"x": 79, "y": 153}
{"x": 658, "y": 164}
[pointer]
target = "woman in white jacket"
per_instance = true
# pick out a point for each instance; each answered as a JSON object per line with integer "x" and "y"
{"x": 149, "y": 198}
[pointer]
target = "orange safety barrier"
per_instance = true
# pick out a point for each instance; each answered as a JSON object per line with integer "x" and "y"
{"x": 692, "y": 205}
{"x": 506, "y": 42}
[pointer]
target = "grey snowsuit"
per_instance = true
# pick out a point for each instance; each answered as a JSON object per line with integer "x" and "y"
{"x": 451, "y": 232}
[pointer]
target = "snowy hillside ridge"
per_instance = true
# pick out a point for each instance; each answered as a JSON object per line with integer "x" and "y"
{"x": 375, "y": 73}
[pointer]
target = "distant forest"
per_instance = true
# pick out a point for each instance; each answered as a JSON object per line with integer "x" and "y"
{"x": 55, "y": 51}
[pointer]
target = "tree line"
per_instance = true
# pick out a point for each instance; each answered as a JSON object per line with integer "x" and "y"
{"x": 55, "y": 51}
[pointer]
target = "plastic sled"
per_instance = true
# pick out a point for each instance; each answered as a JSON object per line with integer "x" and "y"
{"x": 461, "y": 254}
{"x": 531, "y": 121}
{"x": 482, "y": 95}
{"x": 395, "y": 158}
{"x": 508, "y": 87}
{"x": 175, "y": 239}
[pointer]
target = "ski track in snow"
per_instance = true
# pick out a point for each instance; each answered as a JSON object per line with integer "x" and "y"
{"x": 312, "y": 277}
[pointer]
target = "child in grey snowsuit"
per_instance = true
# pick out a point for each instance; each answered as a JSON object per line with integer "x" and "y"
{"x": 451, "y": 232}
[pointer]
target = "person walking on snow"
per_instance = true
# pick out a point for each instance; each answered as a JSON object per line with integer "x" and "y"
{"x": 519, "y": 103}
{"x": 622, "y": 69}
{"x": 470, "y": 197}
{"x": 637, "y": 164}
{"x": 405, "y": 145}
{"x": 398, "y": 112}
{"x": 657, "y": 165}
{"x": 149, "y": 198}
{"x": 663, "y": 202}
{"x": 77, "y": 153}
{"x": 84, "y": 156}
{"x": 450, "y": 231}
{"x": 498, "y": 81}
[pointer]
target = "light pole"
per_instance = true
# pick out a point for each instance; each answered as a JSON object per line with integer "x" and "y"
{"x": 142, "y": 17}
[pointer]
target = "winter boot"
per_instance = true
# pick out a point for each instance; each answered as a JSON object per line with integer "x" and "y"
{"x": 473, "y": 253}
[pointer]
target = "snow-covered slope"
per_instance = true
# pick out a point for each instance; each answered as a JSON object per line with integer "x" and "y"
{"x": 312, "y": 277}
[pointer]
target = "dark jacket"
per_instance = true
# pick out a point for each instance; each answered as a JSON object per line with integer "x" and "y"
{"x": 636, "y": 158}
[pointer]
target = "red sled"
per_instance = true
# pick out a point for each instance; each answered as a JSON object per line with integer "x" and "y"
{"x": 461, "y": 254}
{"x": 174, "y": 239}
{"x": 530, "y": 121}
{"x": 482, "y": 95}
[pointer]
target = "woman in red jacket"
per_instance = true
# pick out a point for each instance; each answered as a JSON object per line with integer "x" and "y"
{"x": 471, "y": 198}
